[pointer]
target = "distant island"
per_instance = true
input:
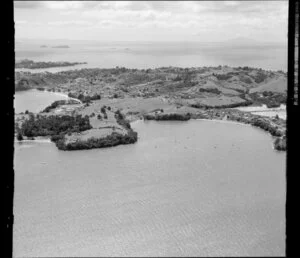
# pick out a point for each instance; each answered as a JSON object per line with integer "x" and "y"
{"x": 30, "y": 64}
{"x": 61, "y": 46}
{"x": 43, "y": 46}
{"x": 110, "y": 98}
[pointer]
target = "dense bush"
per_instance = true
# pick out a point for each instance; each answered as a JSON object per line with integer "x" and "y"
{"x": 177, "y": 78}
{"x": 266, "y": 126}
{"x": 222, "y": 77}
{"x": 280, "y": 144}
{"x": 271, "y": 99}
{"x": 19, "y": 136}
{"x": 95, "y": 97}
{"x": 162, "y": 117}
{"x": 54, "y": 125}
{"x": 210, "y": 90}
{"x": 245, "y": 79}
{"x": 121, "y": 120}
{"x": 232, "y": 105}
{"x": 103, "y": 110}
{"x": 54, "y": 105}
{"x": 109, "y": 141}
{"x": 260, "y": 77}
{"x": 71, "y": 95}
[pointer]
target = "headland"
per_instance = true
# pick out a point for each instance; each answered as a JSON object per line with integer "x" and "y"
{"x": 111, "y": 98}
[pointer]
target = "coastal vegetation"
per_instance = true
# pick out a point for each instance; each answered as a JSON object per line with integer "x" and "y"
{"x": 166, "y": 93}
{"x": 53, "y": 125}
{"x": 280, "y": 143}
{"x": 168, "y": 117}
{"x": 58, "y": 103}
{"x": 84, "y": 98}
{"x": 233, "y": 105}
{"x": 269, "y": 98}
{"x": 30, "y": 64}
{"x": 111, "y": 140}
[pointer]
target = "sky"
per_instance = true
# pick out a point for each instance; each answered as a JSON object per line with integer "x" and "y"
{"x": 206, "y": 21}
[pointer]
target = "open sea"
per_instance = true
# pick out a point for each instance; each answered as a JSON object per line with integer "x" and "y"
{"x": 143, "y": 55}
{"x": 195, "y": 188}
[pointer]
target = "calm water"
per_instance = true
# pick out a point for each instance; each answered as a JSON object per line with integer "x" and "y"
{"x": 152, "y": 55}
{"x": 196, "y": 188}
{"x": 35, "y": 100}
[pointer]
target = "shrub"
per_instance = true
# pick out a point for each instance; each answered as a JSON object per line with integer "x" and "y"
{"x": 210, "y": 90}
{"x": 260, "y": 77}
{"x": 280, "y": 144}
{"x": 19, "y": 137}
{"x": 54, "y": 105}
{"x": 95, "y": 97}
{"x": 223, "y": 77}
{"x": 103, "y": 110}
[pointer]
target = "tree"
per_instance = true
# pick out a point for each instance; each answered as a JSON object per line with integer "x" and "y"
{"x": 19, "y": 137}
{"x": 103, "y": 110}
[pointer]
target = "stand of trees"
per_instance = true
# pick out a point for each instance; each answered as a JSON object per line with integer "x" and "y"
{"x": 174, "y": 117}
{"x": 53, "y": 125}
{"x": 109, "y": 141}
{"x": 280, "y": 144}
{"x": 84, "y": 98}
{"x": 233, "y": 105}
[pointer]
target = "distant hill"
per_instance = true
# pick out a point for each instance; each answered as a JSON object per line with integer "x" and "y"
{"x": 61, "y": 46}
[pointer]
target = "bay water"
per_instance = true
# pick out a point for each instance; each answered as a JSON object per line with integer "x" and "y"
{"x": 195, "y": 188}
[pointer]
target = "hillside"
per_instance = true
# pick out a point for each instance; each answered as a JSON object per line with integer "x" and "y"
{"x": 204, "y": 86}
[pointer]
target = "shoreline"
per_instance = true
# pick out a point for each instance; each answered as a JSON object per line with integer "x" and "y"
{"x": 167, "y": 93}
{"x": 47, "y": 139}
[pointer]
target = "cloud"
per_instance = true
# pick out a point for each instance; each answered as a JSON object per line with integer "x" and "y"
{"x": 64, "y": 5}
{"x": 155, "y": 18}
{"x": 27, "y": 4}
{"x": 70, "y": 23}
